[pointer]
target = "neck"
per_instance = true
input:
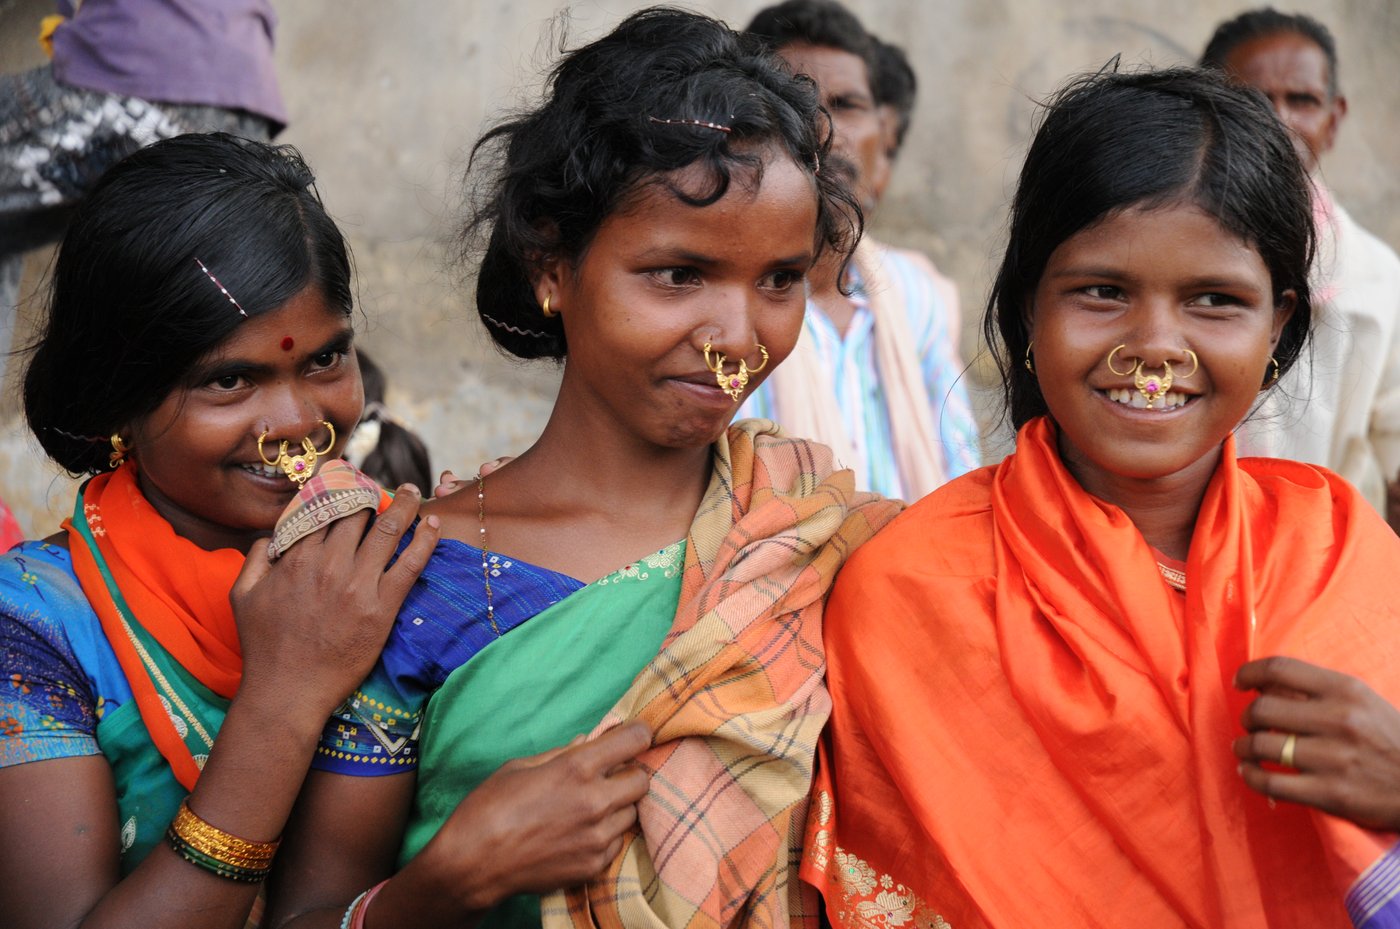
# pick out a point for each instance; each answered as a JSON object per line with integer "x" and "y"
{"x": 1162, "y": 508}
{"x": 203, "y": 533}
{"x": 583, "y": 461}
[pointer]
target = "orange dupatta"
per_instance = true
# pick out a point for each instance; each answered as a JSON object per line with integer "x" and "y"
{"x": 1031, "y": 728}
{"x": 177, "y": 591}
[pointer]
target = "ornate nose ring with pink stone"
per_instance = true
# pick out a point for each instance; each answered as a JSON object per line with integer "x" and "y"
{"x": 1152, "y": 386}
{"x": 733, "y": 384}
{"x": 298, "y": 468}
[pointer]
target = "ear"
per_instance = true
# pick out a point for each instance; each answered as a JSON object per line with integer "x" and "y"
{"x": 1334, "y": 123}
{"x": 1283, "y": 312}
{"x": 547, "y": 281}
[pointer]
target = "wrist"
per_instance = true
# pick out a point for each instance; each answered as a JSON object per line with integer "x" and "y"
{"x": 299, "y": 720}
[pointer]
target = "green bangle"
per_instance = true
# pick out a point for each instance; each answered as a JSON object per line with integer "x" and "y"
{"x": 224, "y": 869}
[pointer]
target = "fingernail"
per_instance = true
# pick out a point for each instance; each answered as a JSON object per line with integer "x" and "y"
{"x": 410, "y": 488}
{"x": 433, "y": 522}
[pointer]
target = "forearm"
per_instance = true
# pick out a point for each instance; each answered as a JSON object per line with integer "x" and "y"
{"x": 247, "y": 789}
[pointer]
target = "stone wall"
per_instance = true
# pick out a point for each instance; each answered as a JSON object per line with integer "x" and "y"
{"x": 386, "y": 98}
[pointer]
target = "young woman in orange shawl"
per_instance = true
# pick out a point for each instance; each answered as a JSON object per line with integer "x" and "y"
{"x": 155, "y": 733}
{"x": 1125, "y": 678}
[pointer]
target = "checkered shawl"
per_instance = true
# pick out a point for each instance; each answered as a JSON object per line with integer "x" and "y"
{"x": 735, "y": 697}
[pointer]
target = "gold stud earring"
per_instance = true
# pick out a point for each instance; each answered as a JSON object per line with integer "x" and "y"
{"x": 119, "y": 450}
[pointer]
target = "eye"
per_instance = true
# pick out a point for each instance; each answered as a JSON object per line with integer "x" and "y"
{"x": 782, "y": 281}
{"x": 328, "y": 359}
{"x": 1103, "y": 292}
{"x": 676, "y": 277}
{"x": 1215, "y": 300}
{"x": 225, "y": 382}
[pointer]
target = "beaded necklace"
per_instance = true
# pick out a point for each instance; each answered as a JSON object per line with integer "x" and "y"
{"x": 485, "y": 552}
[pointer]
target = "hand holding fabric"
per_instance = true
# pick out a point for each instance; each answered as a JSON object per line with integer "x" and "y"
{"x": 538, "y": 824}
{"x": 312, "y": 625}
{"x": 1345, "y": 748}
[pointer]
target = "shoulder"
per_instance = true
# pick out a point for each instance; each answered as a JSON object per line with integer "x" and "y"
{"x": 946, "y": 534}
{"x": 37, "y": 584}
{"x": 1362, "y": 254}
{"x": 1317, "y": 506}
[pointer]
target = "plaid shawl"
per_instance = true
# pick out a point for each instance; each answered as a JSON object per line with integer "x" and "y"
{"x": 735, "y": 697}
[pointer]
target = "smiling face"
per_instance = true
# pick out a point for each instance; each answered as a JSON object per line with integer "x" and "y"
{"x": 282, "y": 373}
{"x": 661, "y": 278}
{"x": 1291, "y": 70}
{"x": 1159, "y": 282}
{"x": 843, "y": 82}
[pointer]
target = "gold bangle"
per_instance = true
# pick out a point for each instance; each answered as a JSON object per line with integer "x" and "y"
{"x": 214, "y": 842}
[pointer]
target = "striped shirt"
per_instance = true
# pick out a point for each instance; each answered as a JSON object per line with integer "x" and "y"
{"x": 856, "y": 374}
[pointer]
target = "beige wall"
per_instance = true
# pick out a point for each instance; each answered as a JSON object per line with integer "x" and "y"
{"x": 386, "y": 97}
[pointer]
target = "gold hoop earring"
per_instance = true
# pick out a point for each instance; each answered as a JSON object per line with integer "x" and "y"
{"x": 548, "y": 313}
{"x": 1271, "y": 381}
{"x": 1109, "y": 362}
{"x": 119, "y": 450}
{"x": 1030, "y": 366}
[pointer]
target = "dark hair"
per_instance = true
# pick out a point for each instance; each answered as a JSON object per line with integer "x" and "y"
{"x": 1267, "y": 21}
{"x": 399, "y": 456}
{"x": 599, "y": 136}
{"x": 1111, "y": 142}
{"x": 895, "y": 85}
{"x": 130, "y": 310}
{"x": 823, "y": 23}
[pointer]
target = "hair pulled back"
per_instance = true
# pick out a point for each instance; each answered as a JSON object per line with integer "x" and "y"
{"x": 1267, "y": 21}
{"x": 561, "y": 169}
{"x": 1111, "y": 142}
{"x": 130, "y": 311}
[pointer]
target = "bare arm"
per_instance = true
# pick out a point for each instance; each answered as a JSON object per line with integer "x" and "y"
{"x": 61, "y": 856}
{"x": 537, "y": 824}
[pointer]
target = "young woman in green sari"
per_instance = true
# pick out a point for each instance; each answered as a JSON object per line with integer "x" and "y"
{"x": 650, "y": 226}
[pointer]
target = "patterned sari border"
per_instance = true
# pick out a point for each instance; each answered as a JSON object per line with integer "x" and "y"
{"x": 1371, "y": 901}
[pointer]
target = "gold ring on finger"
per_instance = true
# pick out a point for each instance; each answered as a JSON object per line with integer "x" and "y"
{"x": 1290, "y": 745}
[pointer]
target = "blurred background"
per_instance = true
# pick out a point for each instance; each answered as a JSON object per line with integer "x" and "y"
{"x": 386, "y": 99}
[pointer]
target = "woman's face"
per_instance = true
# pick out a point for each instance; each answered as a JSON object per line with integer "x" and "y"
{"x": 281, "y": 373}
{"x": 1159, "y": 282}
{"x": 661, "y": 278}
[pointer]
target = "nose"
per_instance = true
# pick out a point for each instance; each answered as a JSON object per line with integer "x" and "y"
{"x": 1158, "y": 337}
{"x": 292, "y": 415}
{"x": 731, "y": 326}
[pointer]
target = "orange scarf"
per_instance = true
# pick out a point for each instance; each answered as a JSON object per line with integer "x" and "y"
{"x": 1031, "y": 728}
{"x": 177, "y": 591}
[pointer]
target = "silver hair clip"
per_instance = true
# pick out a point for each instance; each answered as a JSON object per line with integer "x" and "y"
{"x": 222, "y": 289}
{"x": 692, "y": 122}
{"x": 531, "y": 333}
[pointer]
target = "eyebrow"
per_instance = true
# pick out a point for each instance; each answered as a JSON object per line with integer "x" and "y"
{"x": 1204, "y": 282}
{"x": 222, "y": 367}
{"x": 667, "y": 254}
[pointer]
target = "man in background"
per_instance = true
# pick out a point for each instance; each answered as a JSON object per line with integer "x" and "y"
{"x": 1341, "y": 407}
{"x": 876, "y": 373}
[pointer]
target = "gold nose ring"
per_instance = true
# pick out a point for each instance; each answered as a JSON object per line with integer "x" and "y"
{"x": 733, "y": 384}
{"x": 298, "y": 468}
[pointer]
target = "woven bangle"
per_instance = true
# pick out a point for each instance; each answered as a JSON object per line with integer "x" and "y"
{"x": 218, "y": 851}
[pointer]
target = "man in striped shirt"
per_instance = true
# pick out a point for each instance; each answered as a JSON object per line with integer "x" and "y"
{"x": 876, "y": 373}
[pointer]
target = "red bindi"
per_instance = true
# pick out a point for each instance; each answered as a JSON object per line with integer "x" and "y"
{"x": 287, "y": 344}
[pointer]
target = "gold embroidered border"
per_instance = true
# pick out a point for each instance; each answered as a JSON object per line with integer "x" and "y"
{"x": 868, "y": 899}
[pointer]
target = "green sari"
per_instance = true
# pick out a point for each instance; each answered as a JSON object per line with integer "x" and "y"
{"x": 575, "y": 658}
